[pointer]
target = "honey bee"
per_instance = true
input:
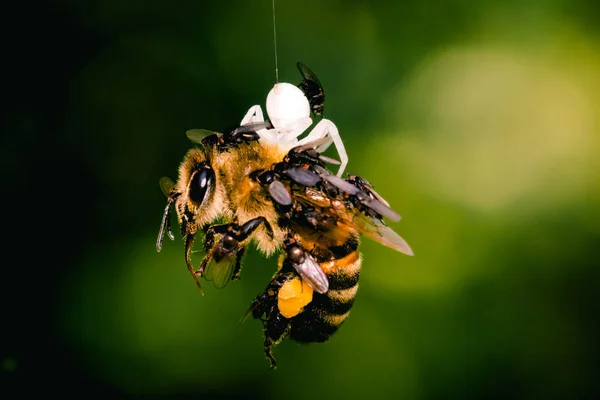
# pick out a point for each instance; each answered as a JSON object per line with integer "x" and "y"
{"x": 258, "y": 184}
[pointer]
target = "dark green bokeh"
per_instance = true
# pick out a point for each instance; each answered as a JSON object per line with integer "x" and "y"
{"x": 478, "y": 121}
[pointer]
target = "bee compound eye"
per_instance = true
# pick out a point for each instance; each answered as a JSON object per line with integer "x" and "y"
{"x": 200, "y": 182}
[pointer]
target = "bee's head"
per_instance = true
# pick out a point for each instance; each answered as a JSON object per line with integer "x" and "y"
{"x": 196, "y": 184}
{"x": 286, "y": 104}
{"x": 196, "y": 198}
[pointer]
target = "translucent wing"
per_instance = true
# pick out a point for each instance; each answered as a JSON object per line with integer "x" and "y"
{"x": 378, "y": 231}
{"x": 310, "y": 145}
{"x": 334, "y": 203}
{"x": 380, "y": 208}
{"x": 336, "y": 180}
{"x": 312, "y": 273}
{"x": 252, "y": 127}
{"x": 308, "y": 74}
{"x": 312, "y": 88}
{"x": 329, "y": 160}
{"x": 198, "y": 135}
{"x": 279, "y": 193}
{"x": 166, "y": 184}
{"x": 351, "y": 217}
{"x": 219, "y": 270}
{"x": 303, "y": 176}
{"x": 369, "y": 199}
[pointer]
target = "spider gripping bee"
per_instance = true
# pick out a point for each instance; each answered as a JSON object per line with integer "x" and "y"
{"x": 275, "y": 191}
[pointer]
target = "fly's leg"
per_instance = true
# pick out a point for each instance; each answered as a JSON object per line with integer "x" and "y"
{"x": 238, "y": 264}
{"x": 231, "y": 236}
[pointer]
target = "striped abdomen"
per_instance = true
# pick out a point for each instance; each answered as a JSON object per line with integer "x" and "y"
{"x": 324, "y": 315}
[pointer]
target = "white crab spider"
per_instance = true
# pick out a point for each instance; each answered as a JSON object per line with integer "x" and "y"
{"x": 289, "y": 112}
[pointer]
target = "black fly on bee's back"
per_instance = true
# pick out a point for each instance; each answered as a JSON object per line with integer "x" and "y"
{"x": 260, "y": 184}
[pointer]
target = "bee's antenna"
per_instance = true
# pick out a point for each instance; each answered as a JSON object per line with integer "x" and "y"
{"x": 275, "y": 45}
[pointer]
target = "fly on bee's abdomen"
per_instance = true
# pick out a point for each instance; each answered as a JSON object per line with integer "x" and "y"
{"x": 290, "y": 308}
{"x": 324, "y": 315}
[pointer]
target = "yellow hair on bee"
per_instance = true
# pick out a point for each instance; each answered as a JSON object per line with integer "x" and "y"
{"x": 247, "y": 199}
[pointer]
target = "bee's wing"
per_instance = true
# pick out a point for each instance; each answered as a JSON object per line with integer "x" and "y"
{"x": 378, "y": 231}
{"x": 166, "y": 184}
{"x": 219, "y": 270}
{"x": 372, "y": 227}
{"x": 313, "y": 274}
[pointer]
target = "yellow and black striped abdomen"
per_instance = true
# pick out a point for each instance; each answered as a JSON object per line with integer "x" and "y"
{"x": 324, "y": 315}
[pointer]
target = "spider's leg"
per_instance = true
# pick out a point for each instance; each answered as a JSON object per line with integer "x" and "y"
{"x": 255, "y": 114}
{"x": 287, "y": 132}
{"x": 322, "y": 129}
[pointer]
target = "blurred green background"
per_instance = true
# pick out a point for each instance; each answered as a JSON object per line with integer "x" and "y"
{"x": 479, "y": 121}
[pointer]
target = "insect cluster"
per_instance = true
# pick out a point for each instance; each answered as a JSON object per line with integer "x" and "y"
{"x": 275, "y": 191}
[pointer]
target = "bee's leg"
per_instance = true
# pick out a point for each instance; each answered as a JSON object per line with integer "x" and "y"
{"x": 275, "y": 330}
{"x": 268, "y": 352}
{"x": 250, "y": 226}
{"x": 264, "y": 302}
{"x": 165, "y": 225}
{"x": 209, "y": 256}
{"x": 189, "y": 240}
{"x": 275, "y": 326}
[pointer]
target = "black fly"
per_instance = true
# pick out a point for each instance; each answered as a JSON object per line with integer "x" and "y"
{"x": 312, "y": 88}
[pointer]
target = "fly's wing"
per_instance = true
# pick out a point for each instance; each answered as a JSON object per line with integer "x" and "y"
{"x": 280, "y": 193}
{"x": 209, "y": 138}
{"x": 312, "y": 88}
{"x": 335, "y": 202}
{"x": 309, "y": 75}
{"x": 311, "y": 271}
{"x": 219, "y": 266}
{"x": 219, "y": 269}
{"x": 368, "y": 198}
{"x": 252, "y": 127}
{"x": 198, "y": 135}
